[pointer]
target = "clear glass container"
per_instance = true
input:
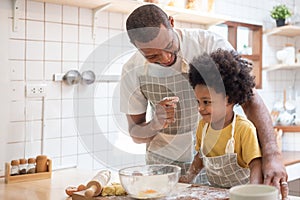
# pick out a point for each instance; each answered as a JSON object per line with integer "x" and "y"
{"x": 23, "y": 166}
{"x": 14, "y": 170}
{"x": 31, "y": 166}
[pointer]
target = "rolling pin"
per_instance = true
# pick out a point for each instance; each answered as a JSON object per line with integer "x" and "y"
{"x": 94, "y": 187}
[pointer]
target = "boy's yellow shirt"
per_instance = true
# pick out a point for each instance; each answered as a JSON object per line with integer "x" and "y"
{"x": 246, "y": 141}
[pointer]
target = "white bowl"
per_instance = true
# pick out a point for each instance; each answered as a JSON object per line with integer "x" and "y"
{"x": 253, "y": 192}
{"x": 149, "y": 181}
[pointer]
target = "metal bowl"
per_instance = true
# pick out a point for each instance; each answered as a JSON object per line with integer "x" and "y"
{"x": 149, "y": 181}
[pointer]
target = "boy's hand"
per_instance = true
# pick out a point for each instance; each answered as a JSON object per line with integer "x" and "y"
{"x": 187, "y": 178}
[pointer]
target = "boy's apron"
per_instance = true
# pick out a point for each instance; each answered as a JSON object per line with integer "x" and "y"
{"x": 224, "y": 171}
{"x": 174, "y": 144}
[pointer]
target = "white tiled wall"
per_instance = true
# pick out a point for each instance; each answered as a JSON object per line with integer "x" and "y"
{"x": 76, "y": 125}
{"x": 55, "y": 39}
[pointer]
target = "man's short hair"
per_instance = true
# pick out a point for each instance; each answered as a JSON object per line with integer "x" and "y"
{"x": 144, "y": 23}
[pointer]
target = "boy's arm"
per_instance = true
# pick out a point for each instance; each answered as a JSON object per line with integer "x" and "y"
{"x": 256, "y": 176}
{"x": 193, "y": 171}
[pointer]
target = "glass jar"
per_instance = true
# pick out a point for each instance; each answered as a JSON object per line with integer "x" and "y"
{"x": 23, "y": 166}
{"x": 31, "y": 166}
{"x": 14, "y": 170}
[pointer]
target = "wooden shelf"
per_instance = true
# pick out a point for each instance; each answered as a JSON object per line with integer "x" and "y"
{"x": 288, "y": 30}
{"x": 282, "y": 67}
{"x": 27, "y": 177}
{"x": 127, "y": 6}
{"x": 288, "y": 128}
{"x": 291, "y": 157}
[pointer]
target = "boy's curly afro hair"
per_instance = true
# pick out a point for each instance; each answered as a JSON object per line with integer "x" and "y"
{"x": 226, "y": 72}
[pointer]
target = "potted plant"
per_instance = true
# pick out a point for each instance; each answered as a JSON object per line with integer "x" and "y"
{"x": 280, "y": 13}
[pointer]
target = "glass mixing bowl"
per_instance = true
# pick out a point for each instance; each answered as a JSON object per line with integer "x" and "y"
{"x": 149, "y": 181}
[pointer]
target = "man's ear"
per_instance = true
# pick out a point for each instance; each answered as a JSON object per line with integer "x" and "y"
{"x": 171, "y": 20}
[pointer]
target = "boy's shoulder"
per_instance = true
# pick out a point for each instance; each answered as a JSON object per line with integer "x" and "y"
{"x": 243, "y": 122}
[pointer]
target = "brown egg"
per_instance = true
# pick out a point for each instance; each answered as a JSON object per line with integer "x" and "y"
{"x": 81, "y": 187}
{"x": 70, "y": 190}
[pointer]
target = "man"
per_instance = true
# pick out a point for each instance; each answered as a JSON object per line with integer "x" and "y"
{"x": 155, "y": 77}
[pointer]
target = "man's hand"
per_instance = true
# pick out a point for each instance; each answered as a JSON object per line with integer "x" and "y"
{"x": 164, "y": 113}
{"x": 275, "y": 174}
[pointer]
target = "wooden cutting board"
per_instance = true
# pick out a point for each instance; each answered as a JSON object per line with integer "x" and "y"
{"x": 192, "y": 192}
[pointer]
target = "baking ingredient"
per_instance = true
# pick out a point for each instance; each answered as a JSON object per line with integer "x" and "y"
{"x": 14, "y": 167}
{"x": 41, "y": 163}
{"x": 23, "y": 166}
{"x": 149, "y": 194}
{"x": 71, "y": 189}
{"x": 115, "y": 189}
{"x": 31, "y": 166}
{"x": 108, "y": 190}
{"x": 81, "y": 187}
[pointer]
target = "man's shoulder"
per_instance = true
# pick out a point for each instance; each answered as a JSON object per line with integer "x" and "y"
{"x": 134, "y": 61}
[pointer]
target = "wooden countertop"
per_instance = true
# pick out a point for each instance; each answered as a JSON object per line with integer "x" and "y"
{"x": 46, "y": 189}
{"x": 54, "y": 188}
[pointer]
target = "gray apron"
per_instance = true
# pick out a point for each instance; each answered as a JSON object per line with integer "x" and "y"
{"x": 174, "y": 144}
{"x": 224, "y": 171}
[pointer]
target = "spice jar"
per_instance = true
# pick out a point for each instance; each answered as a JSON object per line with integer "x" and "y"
{"x": 14, "y": 170}
{"x": 31, "y": 166}
{"x": 23, "y": 166}
{"x": 41, "y": 163}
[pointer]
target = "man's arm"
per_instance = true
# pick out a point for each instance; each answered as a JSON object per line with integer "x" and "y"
{"x": 272, "y": 166}
{"x": 139, "y": 130}
{"x": 258, "y": 113}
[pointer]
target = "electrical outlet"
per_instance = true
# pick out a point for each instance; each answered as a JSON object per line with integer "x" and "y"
{"x": 36, "y": 90}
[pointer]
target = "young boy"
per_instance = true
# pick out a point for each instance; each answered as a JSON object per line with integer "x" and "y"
{"x": 226, "y": 143}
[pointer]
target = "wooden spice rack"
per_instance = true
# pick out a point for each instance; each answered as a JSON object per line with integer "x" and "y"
{"x": 27, "y": 177}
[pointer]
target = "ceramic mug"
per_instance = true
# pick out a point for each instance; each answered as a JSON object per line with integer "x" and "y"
{"x": 253, "y": 192}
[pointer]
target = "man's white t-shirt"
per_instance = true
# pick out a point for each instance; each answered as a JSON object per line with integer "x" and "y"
{"x": 193, "y": 43}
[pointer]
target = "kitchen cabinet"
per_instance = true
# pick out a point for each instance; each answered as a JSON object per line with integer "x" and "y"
{"x": 127, "y": 6}
{"x": 288, "y": 31}
{"x": 255, "y": 42}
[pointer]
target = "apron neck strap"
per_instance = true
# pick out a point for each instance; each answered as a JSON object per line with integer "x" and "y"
{"x": 230, "y": 143}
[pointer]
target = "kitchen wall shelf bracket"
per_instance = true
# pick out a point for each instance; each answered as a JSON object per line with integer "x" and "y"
{"x": 16, "y": 11}
{"x": 95, "y": 12}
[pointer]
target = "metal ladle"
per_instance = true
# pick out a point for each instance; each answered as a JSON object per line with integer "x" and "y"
{"x": 72, "y": 77}
{"x": 88, "y": 77}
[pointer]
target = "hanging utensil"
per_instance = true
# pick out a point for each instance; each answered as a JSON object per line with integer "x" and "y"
{"x": 72, "y": 77}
